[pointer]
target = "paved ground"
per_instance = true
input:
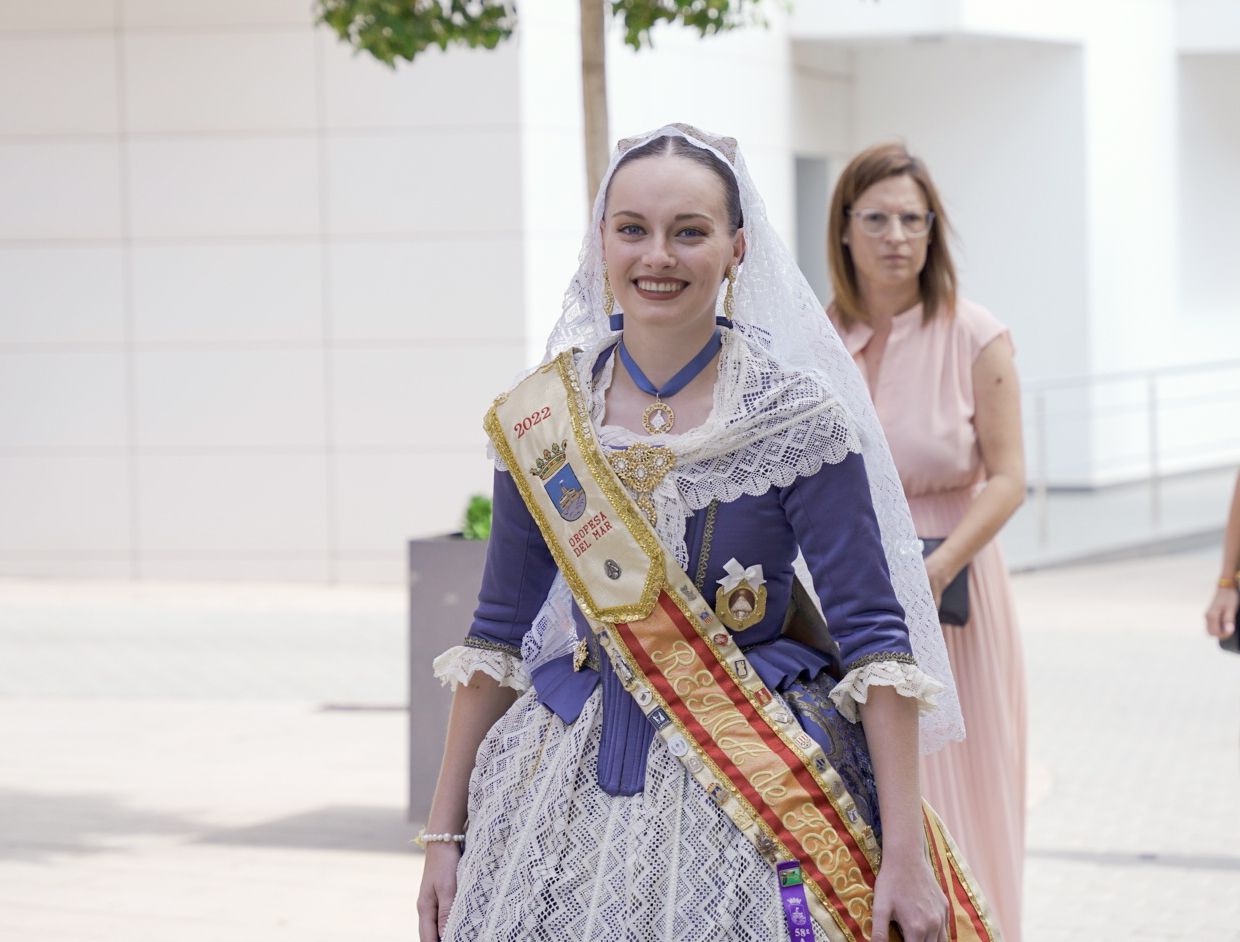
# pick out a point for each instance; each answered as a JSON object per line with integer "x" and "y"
{"x": 183, "y": 764}
{"x": 1135, "y": 751}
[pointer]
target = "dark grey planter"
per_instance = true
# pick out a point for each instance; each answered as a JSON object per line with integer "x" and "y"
{"x": 444, "y": 575}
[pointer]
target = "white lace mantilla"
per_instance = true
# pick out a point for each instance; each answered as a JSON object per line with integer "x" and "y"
{"x": 908, "y": 680}
{"x": 457, "y": 664}
{"x": 781, "y": 354}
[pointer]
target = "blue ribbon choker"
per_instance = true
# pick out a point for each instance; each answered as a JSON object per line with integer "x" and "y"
{"x": 659, "y": 418}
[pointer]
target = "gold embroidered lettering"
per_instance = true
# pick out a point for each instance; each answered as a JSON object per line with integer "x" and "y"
{"x": 766, "y": 781}
{"x": 678, "y": 655}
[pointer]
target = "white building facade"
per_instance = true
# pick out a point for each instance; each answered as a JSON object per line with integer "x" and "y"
{"x": 256, "y": 292}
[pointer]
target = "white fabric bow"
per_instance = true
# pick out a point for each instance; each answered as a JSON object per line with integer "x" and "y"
{"x": 736, "y": 574}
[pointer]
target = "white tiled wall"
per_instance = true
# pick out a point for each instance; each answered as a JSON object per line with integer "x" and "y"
{"x": 59, "y": 189}
{"x": 413, "y": 182}
{"x": 53, "y": 15}
{"x": 370, "y": 521}
{"x": 62, "y": 399}
{"x": 256, "y": 291}
{"x": 224, "y": 187}
{"x": 440, "y": 391}
{"x": 254, "y": 14}
{"x": 227, "y": 399}
{"x": 70, "y": 506}
{"x": 40, "y": 305}
{"x": 252, "y": 506}
{"x": 416, "y": 289}
{"x": 229, "y": 291}
{"x": 227, "y": 81}
{"x": 376, "y": 97}
{"x": 67, "y": 71}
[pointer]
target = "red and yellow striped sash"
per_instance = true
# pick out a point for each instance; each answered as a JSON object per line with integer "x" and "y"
{"x": 680, "y": 664}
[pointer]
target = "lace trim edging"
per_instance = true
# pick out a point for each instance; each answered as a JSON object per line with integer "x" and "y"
{"x": 458, "y": 664}
{"x": 908, "y": 679}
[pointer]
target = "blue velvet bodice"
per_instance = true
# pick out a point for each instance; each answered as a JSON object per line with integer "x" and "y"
{"x": 828, "y": 514}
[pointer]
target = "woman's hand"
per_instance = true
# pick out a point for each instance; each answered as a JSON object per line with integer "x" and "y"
{"x": 1221, "y": 615}
{"x": 906, "y": 893}
{"x": 438, "y": 890}
{"x": 939, "y": 574}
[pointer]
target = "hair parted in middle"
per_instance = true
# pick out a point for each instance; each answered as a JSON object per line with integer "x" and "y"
{"x": 681, "y": 147}
{"x": 937, "y": 280}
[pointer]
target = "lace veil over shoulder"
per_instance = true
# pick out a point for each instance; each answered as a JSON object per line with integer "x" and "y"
{"x": 788, "y": 399}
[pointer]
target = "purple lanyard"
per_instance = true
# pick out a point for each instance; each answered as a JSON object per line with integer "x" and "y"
{"x": 792, "y": 895}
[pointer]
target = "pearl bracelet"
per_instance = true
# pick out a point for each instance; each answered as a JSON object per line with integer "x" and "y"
{"x": 423, "y": 839}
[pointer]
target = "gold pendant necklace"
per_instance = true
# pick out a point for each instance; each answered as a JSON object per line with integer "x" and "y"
{"x": 658, "y": 418}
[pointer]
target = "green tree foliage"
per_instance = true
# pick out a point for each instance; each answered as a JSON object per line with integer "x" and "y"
{"x": 706, "y": 16}
{"x": 401, "y": 29}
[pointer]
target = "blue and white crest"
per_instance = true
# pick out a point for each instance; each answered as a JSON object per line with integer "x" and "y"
{"x": 566, "y": 493}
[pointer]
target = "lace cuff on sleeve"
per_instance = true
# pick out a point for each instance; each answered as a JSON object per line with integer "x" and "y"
{"x": 456, "y": 665}
{"x": 888, "y": 669}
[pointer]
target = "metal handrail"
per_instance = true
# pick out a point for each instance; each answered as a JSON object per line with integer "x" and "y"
{"x": 1038, "y": 390}
{"x": 1092, "y": 379}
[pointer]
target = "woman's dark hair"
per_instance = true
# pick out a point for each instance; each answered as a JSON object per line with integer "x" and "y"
{"x": 937, "y": 280}
{"x": 682, "y": 147}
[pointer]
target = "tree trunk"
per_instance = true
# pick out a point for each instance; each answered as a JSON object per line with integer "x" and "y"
{"x": 594, "y": 93}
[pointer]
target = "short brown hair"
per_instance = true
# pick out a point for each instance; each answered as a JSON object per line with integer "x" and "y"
{"x": 937, "y": 279}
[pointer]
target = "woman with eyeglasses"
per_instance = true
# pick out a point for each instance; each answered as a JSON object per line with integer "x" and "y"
{"x": 940, "y": 371}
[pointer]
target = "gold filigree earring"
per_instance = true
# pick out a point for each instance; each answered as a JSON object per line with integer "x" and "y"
{"x": 609, "y": 299}
{"x": 729, "y": 303}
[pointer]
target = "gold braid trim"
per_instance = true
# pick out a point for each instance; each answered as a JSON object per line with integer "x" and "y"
{"x": 483, "y": 645}
{"x": 900, "y": 657}
{"x": 708, "y": 537}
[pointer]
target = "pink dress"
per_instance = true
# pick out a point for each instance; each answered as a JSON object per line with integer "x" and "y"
{"x": 924, "y": 397}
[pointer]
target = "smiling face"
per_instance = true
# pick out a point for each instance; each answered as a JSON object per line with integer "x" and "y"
{"x": 893, "y": 260}
{"x": 667, "y": 241}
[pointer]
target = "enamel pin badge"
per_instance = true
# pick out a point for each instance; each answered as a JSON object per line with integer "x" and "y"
{"x": 741, "y": 599}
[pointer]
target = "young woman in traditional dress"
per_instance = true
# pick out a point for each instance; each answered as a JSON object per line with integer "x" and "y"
{"x": 639, "y": 748}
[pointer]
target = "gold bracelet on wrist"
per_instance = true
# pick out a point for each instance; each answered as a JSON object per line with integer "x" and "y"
{"x": 1226, "y": 583}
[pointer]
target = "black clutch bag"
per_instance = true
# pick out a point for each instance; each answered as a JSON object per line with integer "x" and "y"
{"x": 954, "y": 605}
{"x": 1231, "y": 642}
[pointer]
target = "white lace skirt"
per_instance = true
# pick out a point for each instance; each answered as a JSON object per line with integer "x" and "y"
{"x": 550, "y": 856}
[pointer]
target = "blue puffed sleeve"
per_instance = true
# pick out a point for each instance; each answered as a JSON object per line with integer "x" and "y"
{"x": 518, "y": 574}
{"x": 833, "y": 519}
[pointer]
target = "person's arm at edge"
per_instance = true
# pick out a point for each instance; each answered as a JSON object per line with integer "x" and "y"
{"x": 996, "y": 390}
{"x": 1221, "y": 615}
